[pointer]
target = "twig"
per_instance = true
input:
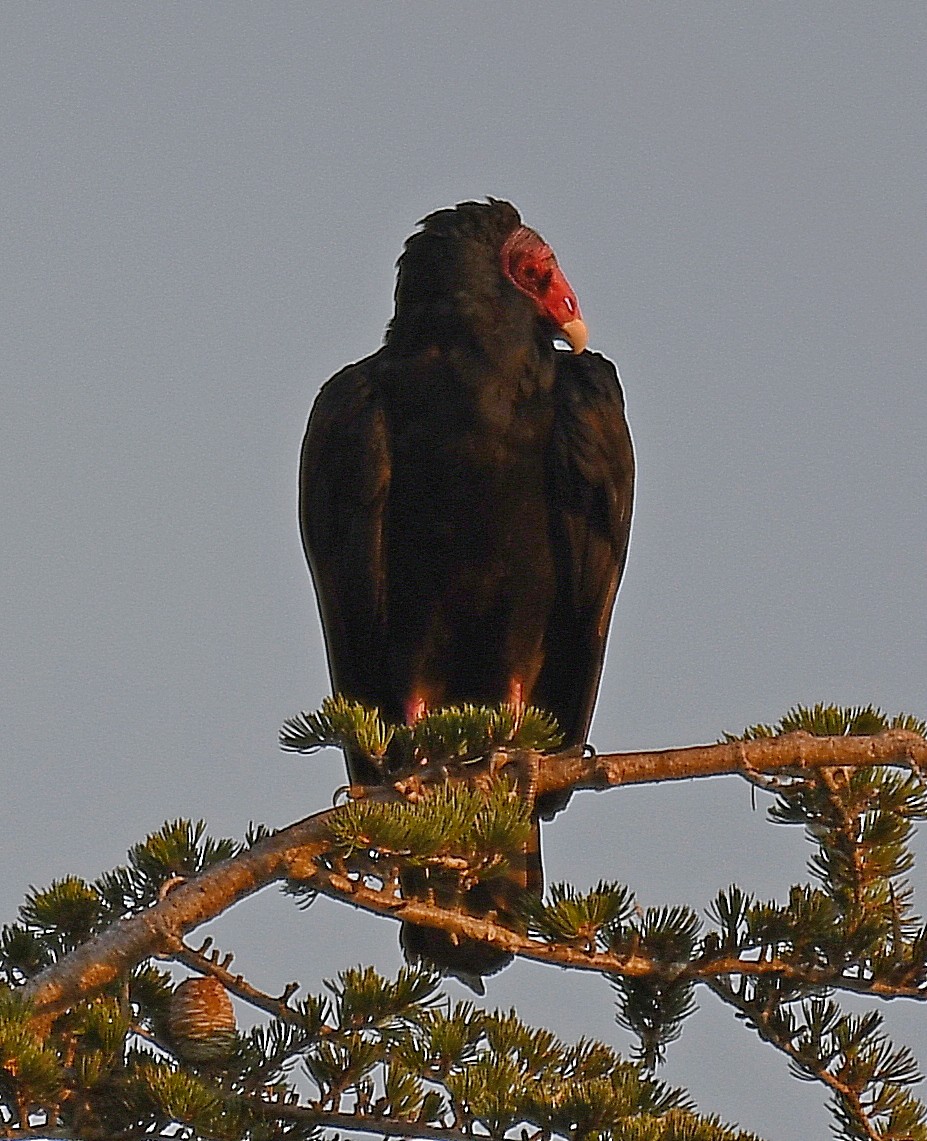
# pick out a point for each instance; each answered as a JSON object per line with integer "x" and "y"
{"x": 849, "y": 1095}
{"x": 204, "y": 964}
{"x": 361, "y": 1123}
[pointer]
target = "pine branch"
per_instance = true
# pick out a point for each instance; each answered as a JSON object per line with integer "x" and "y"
{"x": 293, "y": 853}
{"x": 789, "y": 753}
{"x": 857, "y": 1113}
{"x": 357, "y": 1122}
{"x": 211, "y": 965}
{"x": 701, "y": 969}
{"x": 770, "y": 1032}
{"x": 158, "y": 931}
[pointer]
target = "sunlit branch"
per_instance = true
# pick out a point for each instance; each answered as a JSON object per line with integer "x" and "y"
{"x": 294, "y": 852}
{"x": 423, "y": 914}
{"x": 791, "y": 753}
{"x": 360, "y": 1123}
{"x": 236, "y": 984}
{"x": 766, "y": 1031}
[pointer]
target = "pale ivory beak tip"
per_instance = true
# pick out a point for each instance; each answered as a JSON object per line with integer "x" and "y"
{"x": 576, "y": 333}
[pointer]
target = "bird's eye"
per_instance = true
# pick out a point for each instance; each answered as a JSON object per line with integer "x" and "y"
{"x": 536, "y": 275}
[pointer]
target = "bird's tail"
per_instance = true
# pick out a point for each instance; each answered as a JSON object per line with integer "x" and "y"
{"x": 470, "y": 960}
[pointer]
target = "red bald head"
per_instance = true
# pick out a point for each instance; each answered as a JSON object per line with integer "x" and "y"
{"x": 531, "y": 266}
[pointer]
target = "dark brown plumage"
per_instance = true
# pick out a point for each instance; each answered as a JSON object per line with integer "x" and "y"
{"x": 465, "y": 502}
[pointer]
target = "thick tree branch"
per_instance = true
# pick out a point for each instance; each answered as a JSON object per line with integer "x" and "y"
{"x": 293, "y": 852}
{"x": 159, "y": 930}
{"x": 790, "y": 753}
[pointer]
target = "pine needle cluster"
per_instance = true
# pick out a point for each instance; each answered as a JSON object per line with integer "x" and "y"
{"x": 56, "y": 919}
{"x": 386, "y": 1055}
{"x": 454, "y": 823}
{"x": 833, "y": 721}
{"x": 663, "y": 942}
{"x": 856, "y": 931}
{"x": 453, "y": 734}
{"x": 860, "y": 823}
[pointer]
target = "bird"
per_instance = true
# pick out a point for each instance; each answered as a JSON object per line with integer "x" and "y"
{"x": 465, "y": 508}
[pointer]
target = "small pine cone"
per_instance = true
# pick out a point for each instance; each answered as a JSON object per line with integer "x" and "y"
{"x": 201, "y": 1020}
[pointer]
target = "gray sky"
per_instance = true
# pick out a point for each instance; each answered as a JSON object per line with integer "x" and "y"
{"x": 202, "y": 207}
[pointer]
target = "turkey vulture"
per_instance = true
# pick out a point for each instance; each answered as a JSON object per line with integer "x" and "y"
{"x": 465, "y": 505}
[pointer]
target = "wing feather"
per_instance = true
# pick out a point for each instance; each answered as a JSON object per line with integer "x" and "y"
{"x": 344, "y": 481}
{"x": 592, "y": 492}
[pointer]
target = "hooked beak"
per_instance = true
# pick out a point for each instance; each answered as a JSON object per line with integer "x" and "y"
{"x": 576, "y": 333}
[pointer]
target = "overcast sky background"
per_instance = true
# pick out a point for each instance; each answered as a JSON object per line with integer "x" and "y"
{"x": 202, "y": 206}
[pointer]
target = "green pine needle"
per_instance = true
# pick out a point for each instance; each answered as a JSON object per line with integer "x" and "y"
{"x": 456, "y": 733}
{"x": 654, "y": 1007}
{"x": 466, "y": 732}
{"x": 67, "y": 912}
{"x": 833, "y": 721}
{"x": 569, "y": 916}
{"x": 363, "y": 997}
{"x": 453, "y": 821}
{"x": 447, "y": 1038}
{"x": 180, "y": 1095}
{"x": 29, "y": 1068}
{"x": 23, "y": 953}
{"x": 341, "y": 722}
{"x": 179, "y": 847}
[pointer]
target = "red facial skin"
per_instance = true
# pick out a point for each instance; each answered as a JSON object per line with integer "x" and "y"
{"x": 531, "y": 266}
